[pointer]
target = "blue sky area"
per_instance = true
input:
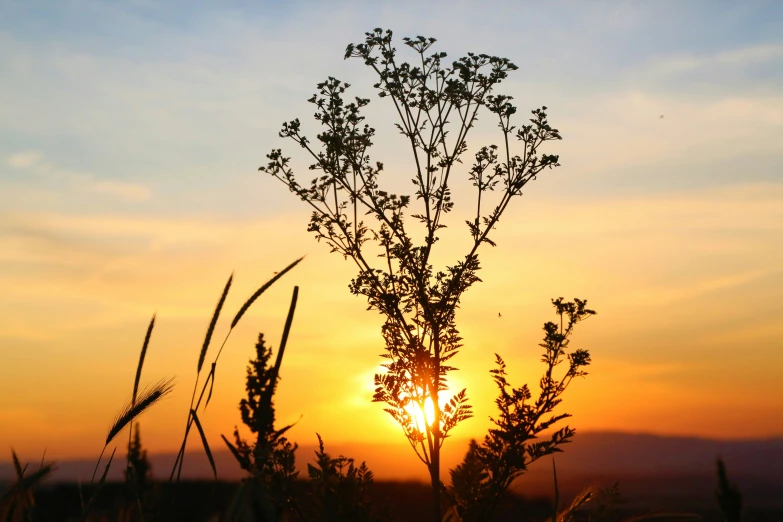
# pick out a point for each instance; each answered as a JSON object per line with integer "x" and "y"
{"x": 176, "y": 103}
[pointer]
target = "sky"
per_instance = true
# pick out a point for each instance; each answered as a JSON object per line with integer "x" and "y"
{"x": 130, "y": 138}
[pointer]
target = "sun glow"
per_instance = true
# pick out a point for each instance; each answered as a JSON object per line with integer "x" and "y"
{"x": 425, "y": 416}
{"x": 422, "y": 416}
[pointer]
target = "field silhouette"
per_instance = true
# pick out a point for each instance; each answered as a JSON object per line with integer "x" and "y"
{"x": 654, "y": 472}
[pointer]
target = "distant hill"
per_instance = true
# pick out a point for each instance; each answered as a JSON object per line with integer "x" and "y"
{"x": 650, "y": 468}
{"x": 643, "y": 454}
{"x": 655, "y": 471}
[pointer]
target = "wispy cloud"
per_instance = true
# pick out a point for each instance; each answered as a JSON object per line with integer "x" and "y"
{"x": 666, "y": 296}
{"x": 34, "y": 163}
{"x": 740, "y": 57}
{"x": 625, "y": 129}
{"x": 751, "y": 55}
{"x": 126, "y": 191}
{"x": 24, "y": 160}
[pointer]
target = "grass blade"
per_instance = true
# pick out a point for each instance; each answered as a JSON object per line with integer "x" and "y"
{"x": 149, "y": 396}
{"x": 211, "y": 383}
{"x": 204, "y": 442}
{"x": 287, "y": 329}
{"x": 212, "y": 323}
{"x": 181, "y": 454}
{"x": 31, "y": 480}
{"x": 17, "y": 465}
{"x": 233, "y": 450}
{"x": 261, "y": 290}
{"x": 141, "y": 358}
{"x": 281, "y": 431}
{"x": 202, "y": 355}
{"x": 98, "y": 488}
{"x": 138, "y": 378}
{"x": 266, "y": 400}
{"x": 580, "y": 500}
{"x": 97, "y": 465}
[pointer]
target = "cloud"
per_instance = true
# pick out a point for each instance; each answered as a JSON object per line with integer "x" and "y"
{"x": 33, "y": 162}
{"x": 682, "y": 63}
{"x": 661, "y": 296}
{"x": 751, "y": 55}
{"x": 736, "y": 208}
{"x": 624, "y": 129}
{"x": 24, "y": 160}
{"x": 48, "y": 255}
{"x": 126, "y": 191}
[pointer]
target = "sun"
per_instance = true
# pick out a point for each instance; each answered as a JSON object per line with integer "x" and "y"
{"x": 422, "y": 417}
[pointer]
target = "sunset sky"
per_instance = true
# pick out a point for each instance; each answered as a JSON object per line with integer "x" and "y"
{"x": 130, "y": 138}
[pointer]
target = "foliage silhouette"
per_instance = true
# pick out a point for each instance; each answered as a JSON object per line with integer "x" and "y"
{"x": 19, "y": 500}
{"x": 489, "y": 468}
{"x": 342, "y": 489}
{"x": 437, "y": 106}
{"x": 138, "y": 473}
{"x": 269, "y": 460}
{"x": 728, "y": 495}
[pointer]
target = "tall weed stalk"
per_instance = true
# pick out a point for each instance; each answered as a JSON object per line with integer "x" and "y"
{"x": 437, "y": 105}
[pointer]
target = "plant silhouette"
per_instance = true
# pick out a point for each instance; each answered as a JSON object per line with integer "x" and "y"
{"x": 512, "y": 444}
{"x": 728, "y": 495}
{"x": 140, "y": 465}
{"x": 138, "y": 473}
{"x": 19, "y": 500}
{"x": 209, "y": 382}
{"x": 437, "y": 106}
{"x": 269, "y": 460}
{"x": 340, "y": 488}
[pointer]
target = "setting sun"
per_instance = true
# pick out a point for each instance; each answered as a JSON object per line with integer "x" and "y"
{"x": 422, "y": 417}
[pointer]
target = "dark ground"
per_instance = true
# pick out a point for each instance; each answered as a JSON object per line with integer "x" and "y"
{"x": 672, "y": 474}
{"x": 203, "y": 501}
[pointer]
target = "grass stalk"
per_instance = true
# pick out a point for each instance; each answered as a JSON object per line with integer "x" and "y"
{"x": 201, "y": 356}
{"x": 178, "y": 462}
{"x": 136, "y": 381}
{"x": 150, "y": 395}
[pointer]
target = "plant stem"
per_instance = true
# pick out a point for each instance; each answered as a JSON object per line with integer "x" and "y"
{"x": 435, "y": 482}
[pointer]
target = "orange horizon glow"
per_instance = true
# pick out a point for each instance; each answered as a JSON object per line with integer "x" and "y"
{"x": 335, "y": 343}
